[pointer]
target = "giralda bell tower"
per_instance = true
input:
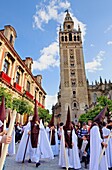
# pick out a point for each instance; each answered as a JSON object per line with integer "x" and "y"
{"x": 73, "y": 89}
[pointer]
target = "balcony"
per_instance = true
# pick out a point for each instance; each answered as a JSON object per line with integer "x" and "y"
{"x": 40, "y": 105}
{"x": 29, "y": 95}
{"x": 5, "y": 77}
{"x": 17, "y": 87}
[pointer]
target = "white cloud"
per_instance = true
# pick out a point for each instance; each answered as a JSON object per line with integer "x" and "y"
{"x": 95, "y": 65}
{"x": 49, "y": 57}
{"x": 109, "y": 43}
{"x": 51, "y": 11}
{"x": 92, "y": 45}
{"x": 50, "y": 101}
{"x": 45, "y": 13}
{"x": 108, "y": 29}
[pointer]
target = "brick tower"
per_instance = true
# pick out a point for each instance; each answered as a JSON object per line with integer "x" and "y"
{"x": 73, "y": 89}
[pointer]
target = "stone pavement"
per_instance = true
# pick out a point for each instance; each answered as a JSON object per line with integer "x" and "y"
{"x": 45, "y": 165}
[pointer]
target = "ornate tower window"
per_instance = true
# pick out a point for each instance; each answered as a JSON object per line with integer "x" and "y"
{"x": 65, "y": 38}
{"x": 74, "y": 37}
{"x": 73, "y": 82}
{"x": 71, "y": 57}
{"x": 6, "y": 67}
{"x": 72, "y": 72}
{"x": 74, "y": 93}
{"x": 78, "y": 38}
{"x": 72, "y": 64}
{"x": 62, "y": 38}
{"x": 68, "y": 27}
{"x": 70, "y": 36}
{"x": 75, "y": 105}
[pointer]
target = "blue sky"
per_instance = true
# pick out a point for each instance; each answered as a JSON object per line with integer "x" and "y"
{"x": 37, "y": 24}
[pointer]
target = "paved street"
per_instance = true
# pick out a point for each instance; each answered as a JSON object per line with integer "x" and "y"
{"x": 45, "y": 165}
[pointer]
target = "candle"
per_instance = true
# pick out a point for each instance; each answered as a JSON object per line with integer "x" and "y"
{"x": 4, "y": 128}
{"x": 9, "y": 133}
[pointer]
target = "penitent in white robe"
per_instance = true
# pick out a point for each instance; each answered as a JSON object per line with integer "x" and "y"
{"x": 69, "y": 158}
{"x": 43, "y": 149}
{"x": 111, "y": 149}
{"x": 95, "y": 151}
{"x": 55, "y": 148}
{"x": 108, "y": 150}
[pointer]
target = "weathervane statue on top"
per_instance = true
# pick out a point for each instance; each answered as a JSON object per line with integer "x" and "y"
{"x": 66, "y": 11}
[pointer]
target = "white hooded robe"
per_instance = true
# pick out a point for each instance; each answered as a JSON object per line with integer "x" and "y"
{"x": 106, "y": 132}
{"x": 43, "y": 149}
{"x": 69, "y": 157}
{"x": 95, "y": 151}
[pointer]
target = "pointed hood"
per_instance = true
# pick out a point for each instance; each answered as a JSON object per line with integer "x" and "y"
{"x": 36, "y": 116}
{"x": 51, "y": 123}
{"x": 100, "y": 117}
{"x": 2, "y": 110}
{"x": 68, "y": 125}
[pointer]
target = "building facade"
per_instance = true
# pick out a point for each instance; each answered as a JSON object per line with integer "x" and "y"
{"x": 74, "y": 90}
{"x": 15, "y": 73}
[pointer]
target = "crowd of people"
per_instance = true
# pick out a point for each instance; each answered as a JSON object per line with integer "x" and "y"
{"x": 75, "y": 144}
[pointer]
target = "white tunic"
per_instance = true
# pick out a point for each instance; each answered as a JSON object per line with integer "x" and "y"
{"x": 55, "y": 148}
{"x": 11, "y": 148}
{"x": 108, "y": 150}
{"x": 95, "y": 151}
{"x": 43, "y": 149}
{"x": 69, "y": 157}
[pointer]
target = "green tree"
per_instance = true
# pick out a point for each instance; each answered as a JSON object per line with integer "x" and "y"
{"x": 44, "y": 114}
{"x": 91, "y": 114}
{"x": 8, "y": 97}
{"x": 22, "y": 106}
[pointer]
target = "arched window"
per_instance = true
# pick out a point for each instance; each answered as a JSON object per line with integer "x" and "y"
{"x": 70, "y": 36}
{"x": 75, "y": 105}
{"x": 65, "y": 38}
{"x": 74, "y": 93}
{"x": 74, "y": 38}
{"x": 78, "y": 38}
{"x": 62, "y": 38}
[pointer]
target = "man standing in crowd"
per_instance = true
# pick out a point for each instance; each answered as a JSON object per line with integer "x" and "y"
{"x": 69, "y": 156}
{"x": 53, "y": 136}
{"x": 34, "y": 142}
{"x": 96, "y": 143}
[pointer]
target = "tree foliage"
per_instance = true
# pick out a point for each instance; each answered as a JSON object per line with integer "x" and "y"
{"x": 8, "y": 97}
{"x": 91, "y": 114}
{"x": 22, "y": 106}
{"x": 44, "y": 114}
